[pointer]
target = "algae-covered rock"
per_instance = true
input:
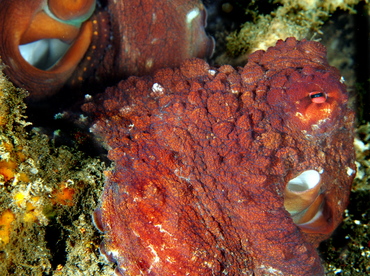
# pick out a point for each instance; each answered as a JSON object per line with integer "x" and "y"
{"x": 301, "y": 19}
{"x": 47, "y": 195}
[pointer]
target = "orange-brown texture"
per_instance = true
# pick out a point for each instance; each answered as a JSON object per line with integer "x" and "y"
{"x": 108, "y": 43}
{"x": 64, "y": 195}
{"x": 203, "y": 156}
{"x": 149, "y": 35}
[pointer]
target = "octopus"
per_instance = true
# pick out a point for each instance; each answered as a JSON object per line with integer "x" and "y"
{"x": 50, "y": 44}
{"x": 226, "y": 171}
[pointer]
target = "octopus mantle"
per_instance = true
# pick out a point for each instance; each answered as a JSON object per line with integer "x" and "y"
{"x": 207, "y": 160}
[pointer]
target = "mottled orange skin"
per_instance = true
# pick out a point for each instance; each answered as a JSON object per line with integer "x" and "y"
{"x": 202, "y": 157}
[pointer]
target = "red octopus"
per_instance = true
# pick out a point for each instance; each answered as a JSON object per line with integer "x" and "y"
{"x": 226, "y": 171}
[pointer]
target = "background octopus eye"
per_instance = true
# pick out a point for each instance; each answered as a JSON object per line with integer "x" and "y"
{"x": 318, "y": 96}
{"x": 42, "y": 42}
{"x": 53, "y": 30}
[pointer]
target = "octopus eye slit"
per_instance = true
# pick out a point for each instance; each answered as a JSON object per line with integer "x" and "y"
{"x": 318, "y": 96}
{"x": 43, "y": 54}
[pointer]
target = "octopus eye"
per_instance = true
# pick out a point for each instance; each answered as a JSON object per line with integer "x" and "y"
{"x": 43, "y": 42}
{"x": 317, "y": 97}
{"x": 51, "y": 33}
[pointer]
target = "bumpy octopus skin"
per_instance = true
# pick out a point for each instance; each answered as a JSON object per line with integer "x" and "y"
{"x": 50, "y": 44}
{"x": 152, "y": 34}
{"x": 208, "y": 161}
